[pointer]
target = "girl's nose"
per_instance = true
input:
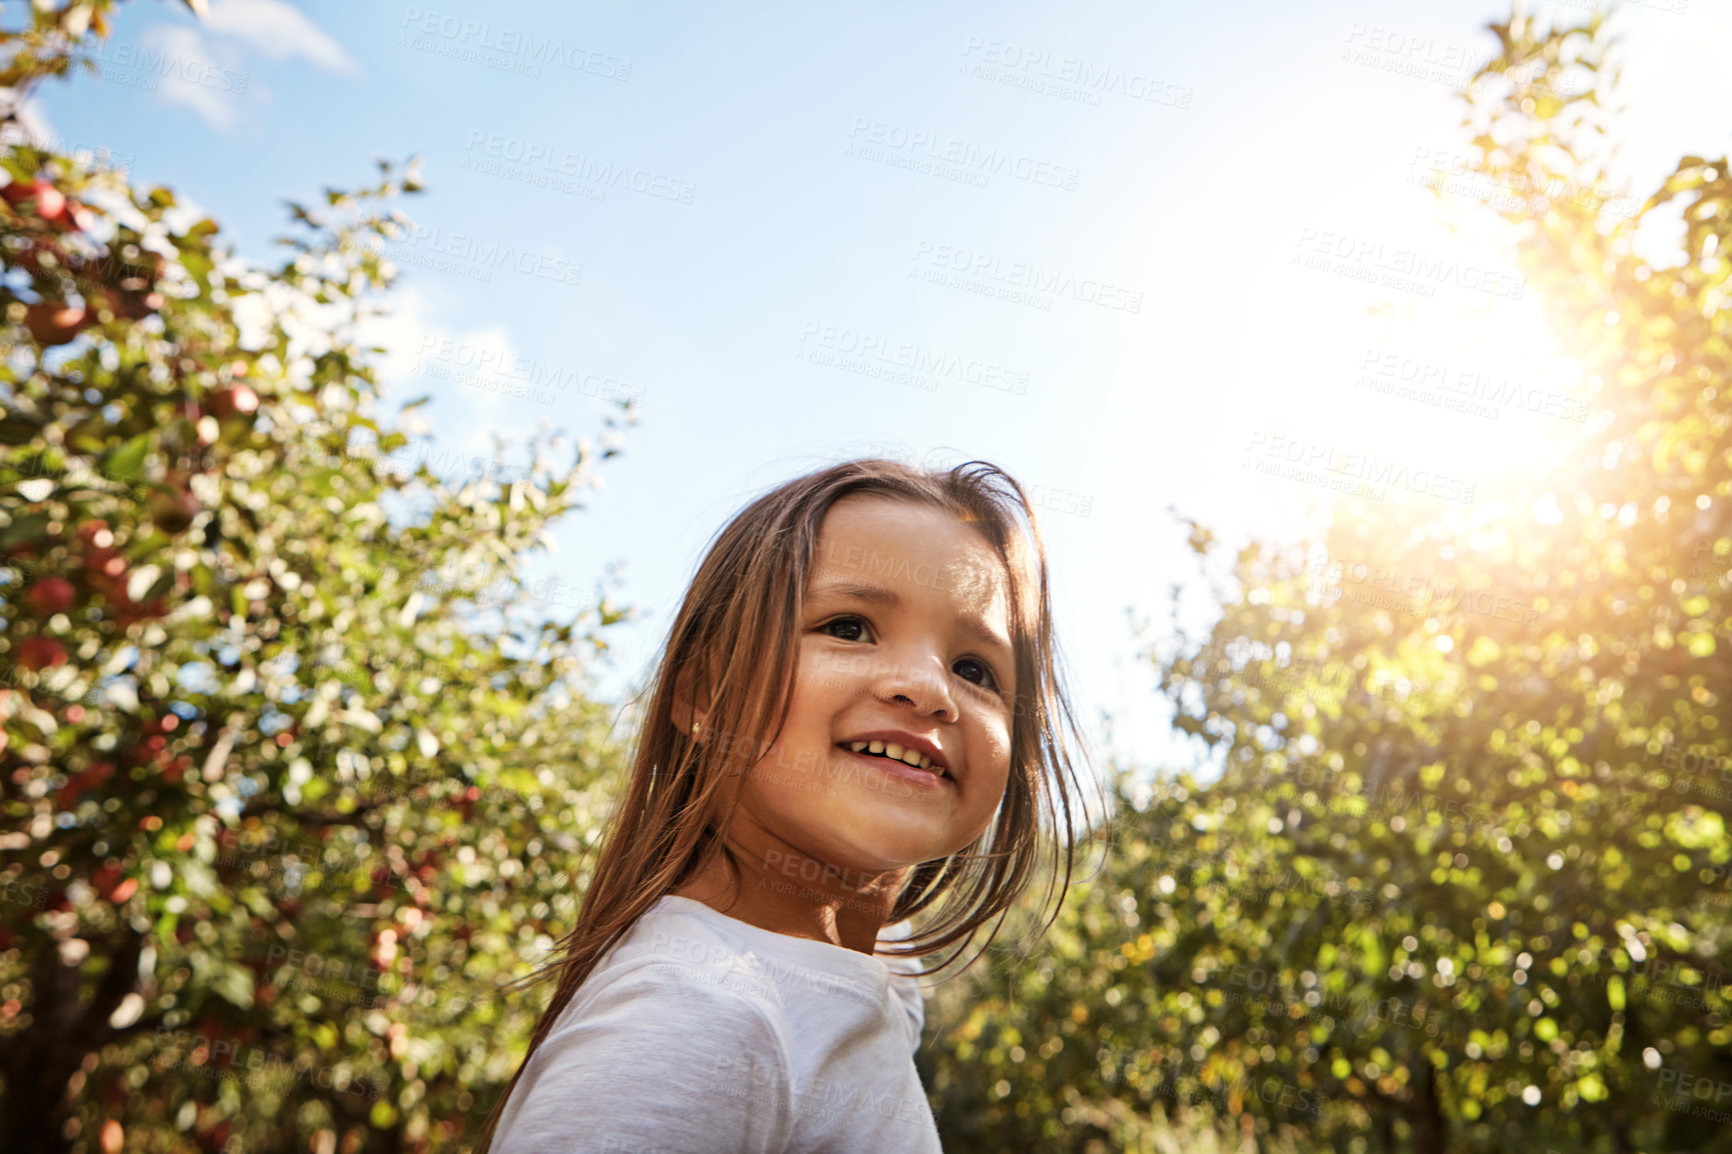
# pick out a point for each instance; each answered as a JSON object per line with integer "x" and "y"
{"x": 919, "y": 681}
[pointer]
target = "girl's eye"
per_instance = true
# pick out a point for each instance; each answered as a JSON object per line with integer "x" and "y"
{"x": 847, "y": 629}
{"x": 975, "y": 671}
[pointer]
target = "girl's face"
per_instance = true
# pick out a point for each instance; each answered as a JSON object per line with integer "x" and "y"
{"x": 905, "y": 649}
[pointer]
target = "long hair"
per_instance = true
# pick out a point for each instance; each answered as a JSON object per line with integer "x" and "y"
{"x": 734, "y": 646}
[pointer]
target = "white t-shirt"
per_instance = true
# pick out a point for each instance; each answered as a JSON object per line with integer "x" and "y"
{"x": 702, "y": 1034}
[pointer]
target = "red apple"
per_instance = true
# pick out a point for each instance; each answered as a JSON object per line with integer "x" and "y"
{"x": 50, "y": 203}
{"x": 41, "y": 653}
{"x": 173, "y": 512}
{"x": 51, "y": 595}
{"x": 234, "y": 400}
{"x": 54, "y": 323}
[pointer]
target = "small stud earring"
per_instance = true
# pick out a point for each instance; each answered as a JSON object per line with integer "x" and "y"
{"x": 697, "y": 728}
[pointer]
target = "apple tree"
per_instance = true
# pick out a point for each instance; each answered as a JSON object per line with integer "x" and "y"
{"x": 296, "y": 764}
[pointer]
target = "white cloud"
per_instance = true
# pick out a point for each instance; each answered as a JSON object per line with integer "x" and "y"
{"x": 279, "y": 30}
{"x": 457, "y": 366}
{"x": 185, "y": 61}
{"x": 460, "y": 367}
{"x": 183, "y": 65}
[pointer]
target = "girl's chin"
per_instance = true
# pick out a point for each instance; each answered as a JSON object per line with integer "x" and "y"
{"x": 895, "y": 841}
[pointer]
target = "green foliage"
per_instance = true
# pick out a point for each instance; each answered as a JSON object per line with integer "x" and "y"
{"x": 1463, "y": 882}
{"x": 52, "y": 40}
{"x": 295, "y": 767}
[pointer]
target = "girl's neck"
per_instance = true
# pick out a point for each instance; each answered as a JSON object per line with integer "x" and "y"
{"x": 788, "y": 893}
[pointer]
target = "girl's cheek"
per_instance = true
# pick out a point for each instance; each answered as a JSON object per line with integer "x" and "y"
{"x": 996, "y": 746}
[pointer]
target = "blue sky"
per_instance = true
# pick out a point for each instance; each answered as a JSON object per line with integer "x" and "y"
{"x": 1128, "y": 252}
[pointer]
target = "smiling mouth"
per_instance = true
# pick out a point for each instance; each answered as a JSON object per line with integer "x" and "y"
{"x": 890, "y": 751}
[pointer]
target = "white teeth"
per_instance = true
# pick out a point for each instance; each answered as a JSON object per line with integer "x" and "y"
{"x": 890, "y": 749}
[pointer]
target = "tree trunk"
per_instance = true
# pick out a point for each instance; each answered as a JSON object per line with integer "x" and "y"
{"x": 1430, "y": 1127}
{"x": 39, "y": 1062}
{"x": 1384, "y": 1121}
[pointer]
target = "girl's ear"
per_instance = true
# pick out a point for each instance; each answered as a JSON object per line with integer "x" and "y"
{"x": 691, "y": 705}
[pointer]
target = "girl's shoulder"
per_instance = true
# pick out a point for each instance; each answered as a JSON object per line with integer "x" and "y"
{"x": 721, "y": 1062}
{"x": 683, "y": 960}
{"x": 749, "y": 1036}
{"x": 687, "y": 944}
{"x": 905, "y": 982}
{"x": 688, "y": 939}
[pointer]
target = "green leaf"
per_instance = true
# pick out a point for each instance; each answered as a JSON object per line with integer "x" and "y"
{"x": 30, "y": 527}
{"x": 124, "y": 463}
{"x": 234, "y": 984}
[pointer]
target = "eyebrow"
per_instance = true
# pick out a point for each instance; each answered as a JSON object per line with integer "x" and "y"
{"x": 878, "y": 595}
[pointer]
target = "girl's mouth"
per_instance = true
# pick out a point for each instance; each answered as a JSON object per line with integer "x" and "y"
{"x": 890, "y": 751}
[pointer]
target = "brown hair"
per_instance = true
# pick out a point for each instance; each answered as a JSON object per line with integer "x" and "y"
{"x": 741, "y": 619}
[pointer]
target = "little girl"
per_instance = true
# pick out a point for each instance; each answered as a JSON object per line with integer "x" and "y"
{"x": 856, "y": 720}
